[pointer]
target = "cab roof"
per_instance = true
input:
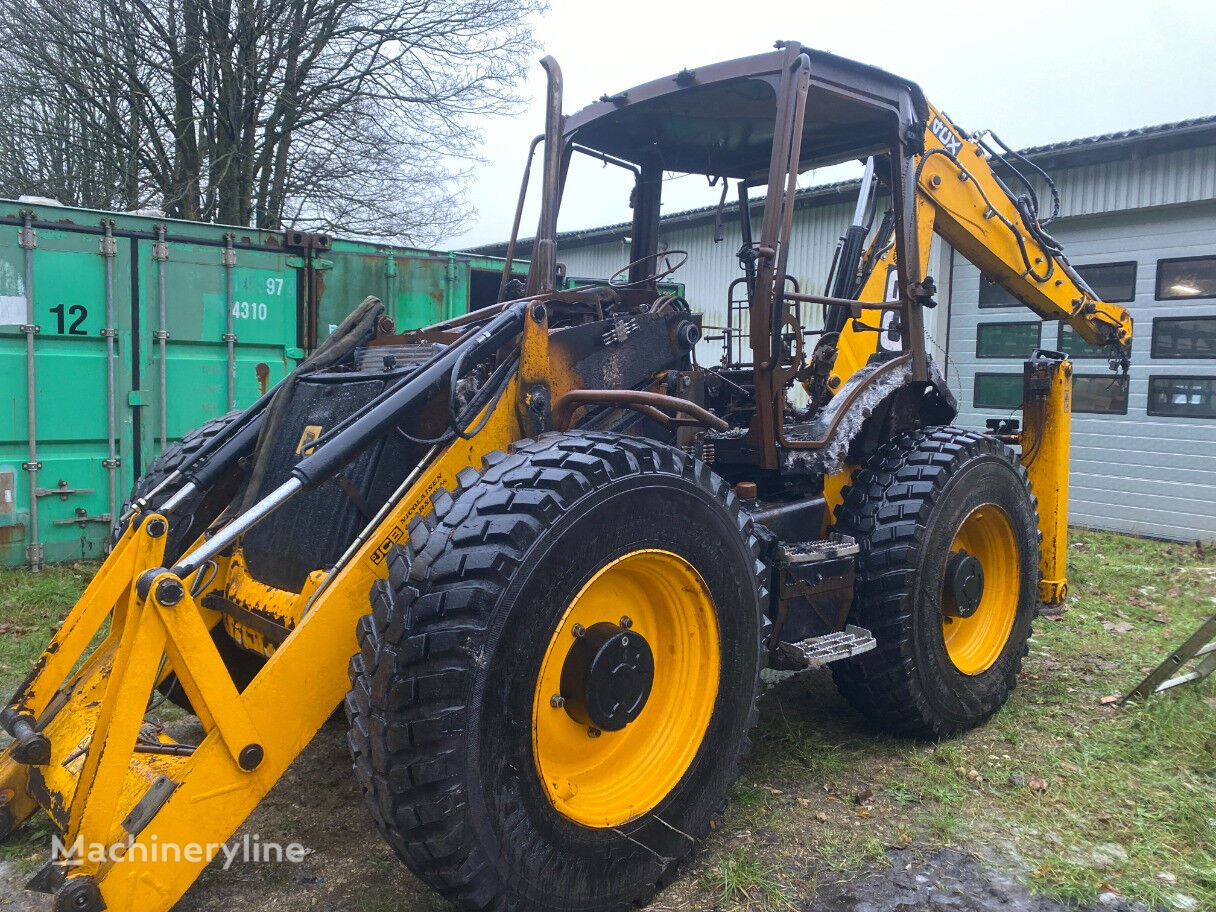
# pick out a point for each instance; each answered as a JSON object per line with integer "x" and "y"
{"x": 718, "y": 120}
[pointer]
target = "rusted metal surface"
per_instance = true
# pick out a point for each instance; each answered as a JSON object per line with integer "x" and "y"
{"x": 651, "y": 403}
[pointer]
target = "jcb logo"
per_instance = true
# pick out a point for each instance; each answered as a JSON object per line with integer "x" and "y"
{"x": 395, "y": 535}
{"x": 945, "y": 136}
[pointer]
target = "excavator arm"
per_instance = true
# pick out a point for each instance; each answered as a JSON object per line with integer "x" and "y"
{"x": 981, "y": 218}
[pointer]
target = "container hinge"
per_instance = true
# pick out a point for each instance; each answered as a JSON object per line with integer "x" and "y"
{"x": 160, "y": 251}
{"x": 228, "y": 257}
{"x": 31, "y": 329}
{"x": 82, "y": 517}
{"x": 160, "y": 334}
{"x": 108, "y": 246}
{"x": 34, "y": 553}
{"x": 229, "y": 337}
{"x": 32, "y": 466}
{"x": 111, "y": 463}
{"x": 27, "y": 238}
{"x": 107, "y": 333}
{"x": 63, "y": 491}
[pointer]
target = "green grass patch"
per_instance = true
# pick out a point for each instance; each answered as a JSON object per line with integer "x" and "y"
{"x": 1079, "y": 795}
{"x": 31, "y": 606}
{"x": 741, "y": 878}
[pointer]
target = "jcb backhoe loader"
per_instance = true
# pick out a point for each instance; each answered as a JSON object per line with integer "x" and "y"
{"x": 543, "y": 552}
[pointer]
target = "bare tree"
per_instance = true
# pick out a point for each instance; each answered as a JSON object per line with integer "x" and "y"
{"x": 352, "y": 115}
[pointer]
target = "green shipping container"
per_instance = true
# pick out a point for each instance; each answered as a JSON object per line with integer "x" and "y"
{"x": 234, "y": 309}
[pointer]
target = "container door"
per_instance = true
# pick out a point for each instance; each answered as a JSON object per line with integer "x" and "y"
{"x": 209, "y": 292}
{"x": 417, "y": 288}
{"x": 71, "y": 503}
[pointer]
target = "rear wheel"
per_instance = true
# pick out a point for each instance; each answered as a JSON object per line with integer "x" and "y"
{"x": 947, "y": 580}
{"x": 555, "y": 684}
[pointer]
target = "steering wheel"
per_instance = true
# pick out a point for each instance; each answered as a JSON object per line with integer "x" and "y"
{"x": 666, "y": 255}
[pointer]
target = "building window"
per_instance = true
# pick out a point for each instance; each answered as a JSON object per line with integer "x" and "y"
{"x": 1113, "y": 282}
{"x": 1182, "y": 397}
{"x": 1006, "y": 340}
{"x": 993, "y": 295}
{"x": 1183, "y": 278}
{"x": 1077, "y": 347}
{"x": 1099, "y": 394}
{"x": 1184, "y": 337}
{"x": 998, "y": 391}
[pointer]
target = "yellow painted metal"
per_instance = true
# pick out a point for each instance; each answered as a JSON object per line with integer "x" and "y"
{"x": 1046, "y": 440}
{"x": 608, "y": 780}
{"x": 833, "y": 493}
{"x": 279, "y": 605}
{"x": 972, "y": 213}
{"x": 975, "y": 643}
{"x": 89, "y": 791}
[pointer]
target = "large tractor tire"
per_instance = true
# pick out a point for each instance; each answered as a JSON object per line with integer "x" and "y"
{"x": 947, "y": 580}
{"x": 189, "y": 520}
{"x": 556, "y": 681}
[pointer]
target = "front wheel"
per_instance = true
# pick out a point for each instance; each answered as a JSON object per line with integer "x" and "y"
{"x": 555, "y": 683}
{"x": 947, "y": 580}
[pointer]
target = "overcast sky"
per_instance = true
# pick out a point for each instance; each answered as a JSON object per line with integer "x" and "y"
{"x": 1033, "y": 72}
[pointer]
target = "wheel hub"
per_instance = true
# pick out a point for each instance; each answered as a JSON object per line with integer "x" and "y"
{"x": 964, "y": 584}
{"x": 607, "y": 676}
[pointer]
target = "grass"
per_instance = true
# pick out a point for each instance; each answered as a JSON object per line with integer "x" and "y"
{"x": 31, "y": 607}
{"x": 742, "y": 878}
{"x": 1126, "y": 801}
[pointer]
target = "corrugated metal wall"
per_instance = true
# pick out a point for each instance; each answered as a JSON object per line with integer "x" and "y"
{"x": 1164, "y": 179}
{"x": 1134, "y": 472}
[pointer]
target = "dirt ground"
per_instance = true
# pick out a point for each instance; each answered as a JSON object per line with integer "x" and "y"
{"x": 350, "y": 869}
{"x": 1063, "y": 802}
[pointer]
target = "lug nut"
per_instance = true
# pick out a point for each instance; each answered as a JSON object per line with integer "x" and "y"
{"x": 557, "y": 701}
{"x": 593, "y": 732}
{"x": 626, "y": 621}
{"x": 578, "y": 630}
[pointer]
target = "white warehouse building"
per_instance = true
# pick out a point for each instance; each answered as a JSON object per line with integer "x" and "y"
{"x": 1138, "y": 219}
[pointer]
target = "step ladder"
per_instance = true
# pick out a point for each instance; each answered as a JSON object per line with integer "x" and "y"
{"x": 1194, "y": 660}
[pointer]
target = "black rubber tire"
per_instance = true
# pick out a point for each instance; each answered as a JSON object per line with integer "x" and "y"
{"x": 196, "y": 512}
{"x": 441, "y": 691}
{"x": 904, "y": 506}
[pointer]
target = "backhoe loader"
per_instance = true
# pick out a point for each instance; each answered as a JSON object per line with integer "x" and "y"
{"x": 542, "y": 553}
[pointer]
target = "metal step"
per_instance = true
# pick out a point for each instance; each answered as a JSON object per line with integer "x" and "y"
{"x": 820, "y": 650}
{"x": 805, "y": 552}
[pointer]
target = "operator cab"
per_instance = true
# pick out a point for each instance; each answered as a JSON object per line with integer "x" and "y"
{"x": 756, "y": 124}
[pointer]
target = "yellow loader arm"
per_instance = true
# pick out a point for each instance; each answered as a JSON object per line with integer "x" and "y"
{"x": 120, "y": 793}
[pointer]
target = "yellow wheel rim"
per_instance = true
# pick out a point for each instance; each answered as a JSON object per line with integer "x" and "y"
{"x": 615, "y": 776}
{"x": 974, "y": 643}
